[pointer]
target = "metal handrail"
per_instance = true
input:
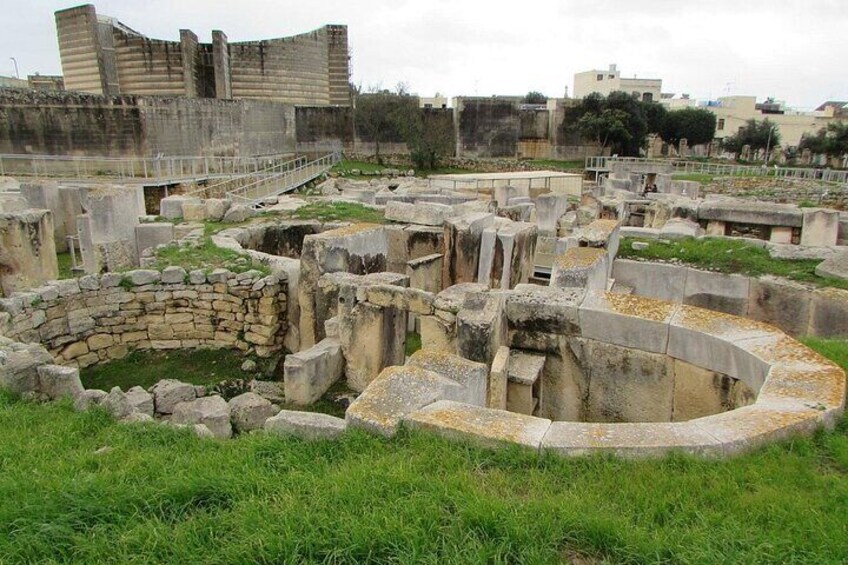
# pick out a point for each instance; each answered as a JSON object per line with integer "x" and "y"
{"x": 289, "y": 180}
{"x": 237, "y": 180}
{"x": 172, "y": 166}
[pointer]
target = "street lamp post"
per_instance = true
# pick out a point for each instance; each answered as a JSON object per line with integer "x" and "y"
{"x": 17, "y": 74}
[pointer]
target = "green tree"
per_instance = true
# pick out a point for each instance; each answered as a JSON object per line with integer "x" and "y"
{"x": 619, "y": 121}
{"x": 831, "y": 140}
{"x": 758, "y": 135}
{"x": 535, "y": 97}
{"x": 382, "y": 116}
{"x": 696, "y": 125}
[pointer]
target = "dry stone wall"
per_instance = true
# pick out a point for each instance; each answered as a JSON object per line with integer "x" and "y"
{"x": 98, "y": 318}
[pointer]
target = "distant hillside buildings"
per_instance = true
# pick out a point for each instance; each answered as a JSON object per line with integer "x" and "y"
{"x": 731, "y": 111}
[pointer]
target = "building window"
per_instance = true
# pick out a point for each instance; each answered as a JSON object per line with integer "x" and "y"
{"x": 600, "y": 77}
{"x": 647, "y": 97}
{"x": 428, "y": 105}
{"x": 720, "y": 124}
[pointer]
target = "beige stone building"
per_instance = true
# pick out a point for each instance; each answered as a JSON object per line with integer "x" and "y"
{"x": 101, "y": 55}
{"x": 610, "y": 80}
{"x": 732, "y": 112}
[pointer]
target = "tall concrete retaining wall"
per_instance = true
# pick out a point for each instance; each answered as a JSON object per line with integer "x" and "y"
{"x": 72, "y": 123}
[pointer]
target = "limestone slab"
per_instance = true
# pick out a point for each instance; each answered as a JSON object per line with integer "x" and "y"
{"x": 485, "y": 426}
{"x": 626, "y": 320}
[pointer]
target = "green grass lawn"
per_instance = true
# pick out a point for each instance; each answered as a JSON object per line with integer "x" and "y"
{"x": 64, "y": 262}
{"x": 146, "y": 368}
{"x": 697, "y": 177}
{"x": 728, "y": 256}
{"x": 557, "y": 165}
{"x": 207, "y": 257}
{"x": 339, "y": 212}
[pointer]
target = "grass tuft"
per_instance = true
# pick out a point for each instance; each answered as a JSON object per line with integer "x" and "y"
{"x": 339, "y": 212}
{"x": 727, "y": 256}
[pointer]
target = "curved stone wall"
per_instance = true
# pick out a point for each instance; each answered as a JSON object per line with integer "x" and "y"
{"x": 795, "y": 308}
{"x": 797, "y": 390}
{"x": 98, "y": 318}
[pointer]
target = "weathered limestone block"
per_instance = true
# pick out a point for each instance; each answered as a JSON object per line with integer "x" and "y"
{"x": 311, "y": 372}
{"x": 487, "y": 427}
{"x": 626, "y": 384}
{"x": 425, "y": 273}
{"x": 141, "y": 400}
{"x": 430, "y": 215}
{"x": 27, "y": 250}
{"x": 438, "y": 334}
{"x": 396, "y": 392}
{"x": 821, "y": 227}
{"x": 481, "y": 326}
{"x": 168, "y": 393}
{"x": 89, "y": 398}
{"x": 216, "y": 208}
{"x": 834, "y": 267}
{"x": 679, "y": 227}
{"x": 249, "y": 411}
{"x": 581, "y": 267}
{"x": 537, "y": 311}
{"x": 626, "y": 320}
{"x": 56, "y": 381}
{"x": 357, "y": 249}
{"x": 173, "y": 275}
{"x": 470, "y": 375}
{"x": 117, "y": 404}
{"x": 497, "y": 396}
{"x": 19, "y": 365}
{"x": 523, "y": 380}
{"x": 714, "y": 341}
{"x": 549, "y": 209}
{"x": 194, "y": 211}
{"x": 700, "y": 392}
{"x": 828, "y": 312}
{"x": 750, "y": 212}
{"x": 578, "y": 439}
{"x": 372, "y": 338}
{"x": 306, "y": 425}
{"x": 211, "y": 411}
{"x": 653, "y": 280}
{"x": 813, "y": 383}
{"x": 506, "y": 255}
{"x": 171, "y": 207}
{"x": 717, "y": 291}
{"x": 781, "y": 302}
{"x": 462, "y": 247}
{"x": 238, "y": 213}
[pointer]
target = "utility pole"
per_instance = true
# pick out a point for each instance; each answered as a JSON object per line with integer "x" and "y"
{"x": 768, "y": 144}
{"x": 17, "y": 74}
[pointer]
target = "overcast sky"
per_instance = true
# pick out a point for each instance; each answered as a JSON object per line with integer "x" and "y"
{"x": 792, "y": 50}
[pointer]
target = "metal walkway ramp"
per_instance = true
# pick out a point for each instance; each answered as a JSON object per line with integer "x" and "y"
{"x": 254, "y": 193}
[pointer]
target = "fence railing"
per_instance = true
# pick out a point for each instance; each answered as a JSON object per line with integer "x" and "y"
{"x": 222, "y": 188}
{"x": 603, "y": 164}
{"x": 279, "y": 183}
{"x": 12, "y": 164}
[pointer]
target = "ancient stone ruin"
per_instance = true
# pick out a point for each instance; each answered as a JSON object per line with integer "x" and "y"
{"x": 532, "y": 331}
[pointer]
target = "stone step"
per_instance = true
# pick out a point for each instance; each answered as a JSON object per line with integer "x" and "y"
{"x": 525, "y": 368}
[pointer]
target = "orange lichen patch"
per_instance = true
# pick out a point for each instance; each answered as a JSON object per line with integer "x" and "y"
{"x": 347, "y": 230}
{"x": 719, "y": 323}
{"x": 639, "y": 306}
{"x": 783, "y": 349}
{"x": 821, "y": 385}
{"x": 485, "y": 423}
{"x": 755, "y": 421}
{"x": 600, "y": 229}
{"x": 577, "y": 257}
{"x": 834, "y": 293}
